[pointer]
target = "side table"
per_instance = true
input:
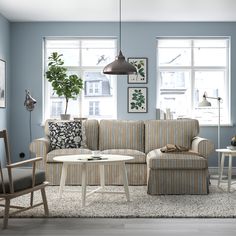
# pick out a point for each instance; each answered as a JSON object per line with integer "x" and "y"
{"x": 230, "y": 154}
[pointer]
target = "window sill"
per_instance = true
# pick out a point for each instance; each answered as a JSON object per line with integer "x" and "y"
{"x": 213, "y": 125}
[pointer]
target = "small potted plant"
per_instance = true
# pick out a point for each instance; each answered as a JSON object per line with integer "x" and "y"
{"x": 65, "y": 85}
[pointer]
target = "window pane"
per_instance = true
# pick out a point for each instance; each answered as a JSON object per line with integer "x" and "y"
{"x": 69, "y": 49}
{"x": 70, "y": 56}
{"x": 209, "y": 43}
{"x": 60, "y": 44}
{"x": 174, "y": 79}
{"x": 210, "y": 57}
{"x": 173, "y": 43}
{"x": 56, "y": 107}
{"x": 175, "y": 92}
{"x": 174, "y": 56}
{"x": 97, "y": 44}
{"x": 213, "y": 83}
{"x": 97, "y": 57}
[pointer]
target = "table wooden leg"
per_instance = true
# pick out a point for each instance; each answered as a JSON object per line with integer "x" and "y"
{"x": 229, "y": 172}
{"x": 63, "y": 178}
{"x": 125, "y": 181}
{"x": 102, "y": 176}
{"x": 84, "y": 183}
{"x": 221, "y": 168}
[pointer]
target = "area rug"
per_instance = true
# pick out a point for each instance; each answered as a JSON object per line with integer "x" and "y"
{"x": 218, "y": 204}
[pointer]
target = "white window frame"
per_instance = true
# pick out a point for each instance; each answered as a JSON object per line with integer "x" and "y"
{"x": 192, "y": 69}
{"x": 79, "y": 70}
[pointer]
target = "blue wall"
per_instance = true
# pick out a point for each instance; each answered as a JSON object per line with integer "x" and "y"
{"x": 4, "y": 55}
{"x": 138, "y": 39}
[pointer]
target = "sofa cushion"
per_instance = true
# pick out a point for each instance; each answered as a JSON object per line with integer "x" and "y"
{"x": 91, "y": 131}
{"x": 139, "y": 157}
{"x": 185, "y": 160}
{"x": 64, "y": 152}
{"x": 121, "y": 134}
{"x": 158, "y": 133}
{"x": 66, "y": 135}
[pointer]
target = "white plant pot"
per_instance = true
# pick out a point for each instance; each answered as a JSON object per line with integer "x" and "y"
{"x": 65, "y": 116}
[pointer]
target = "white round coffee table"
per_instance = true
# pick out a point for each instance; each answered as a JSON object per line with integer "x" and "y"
{"x": 82, "y": 160}
{"x": 226, "y": 153}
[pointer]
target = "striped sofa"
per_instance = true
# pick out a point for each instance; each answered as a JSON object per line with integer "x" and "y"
{"x": 142, "y": 140}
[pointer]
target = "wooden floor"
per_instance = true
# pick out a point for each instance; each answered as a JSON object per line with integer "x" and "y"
{"x": 121, "y": 227}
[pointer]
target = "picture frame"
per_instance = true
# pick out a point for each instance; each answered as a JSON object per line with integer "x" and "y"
{"x": 2, "y": 83}
{"x": 137, "y": 99}
{"x": 141, "y": 65}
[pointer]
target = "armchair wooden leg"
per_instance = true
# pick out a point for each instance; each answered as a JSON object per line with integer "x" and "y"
{"x": 45, "y": 203}
{"x": 6, "y": 214}
{"x": 31, "y": 198}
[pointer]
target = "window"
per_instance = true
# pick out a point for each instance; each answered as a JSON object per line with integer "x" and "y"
{"x": 94, "y": 109}
{"x": 86, "y": 58}
{"x": 186, "y": 69}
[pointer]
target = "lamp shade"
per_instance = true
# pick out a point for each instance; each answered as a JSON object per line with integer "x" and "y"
{"x": 119, "y": 67}
{"x": 29, "y": 101}
{"x": 204, "y": 103}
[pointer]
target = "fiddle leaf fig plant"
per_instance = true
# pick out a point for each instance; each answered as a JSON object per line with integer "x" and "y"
{"x": 63, "y": 84}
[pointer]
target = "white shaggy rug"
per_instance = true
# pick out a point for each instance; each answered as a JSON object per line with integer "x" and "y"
{"x": 218, "y": 203}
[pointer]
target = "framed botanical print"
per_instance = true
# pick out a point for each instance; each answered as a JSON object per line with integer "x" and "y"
{"x": 141, "y": 65}
{"x": 137, "y": 99}
{"x": 2, "y": 84}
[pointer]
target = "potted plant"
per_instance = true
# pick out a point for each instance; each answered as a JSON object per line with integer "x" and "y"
{"x": 63, "y": 84}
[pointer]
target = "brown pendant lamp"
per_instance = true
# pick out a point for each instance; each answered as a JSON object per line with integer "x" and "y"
{"x": 120, "y": 66}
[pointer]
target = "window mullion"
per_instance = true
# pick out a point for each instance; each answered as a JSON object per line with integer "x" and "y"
{"x": 192, "y": 78}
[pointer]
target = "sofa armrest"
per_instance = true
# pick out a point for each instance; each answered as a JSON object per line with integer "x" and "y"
{"x": 202, "y": 146}
{"x": 40, "y": 147}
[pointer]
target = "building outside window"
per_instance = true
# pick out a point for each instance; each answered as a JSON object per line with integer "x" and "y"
{"x": 188, "y": 67}
{"x": 86, "y": 58}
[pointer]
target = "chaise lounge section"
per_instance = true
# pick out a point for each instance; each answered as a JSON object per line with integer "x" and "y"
{"x": 176, "y": 172}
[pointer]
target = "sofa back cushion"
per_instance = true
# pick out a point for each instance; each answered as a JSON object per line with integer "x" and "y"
{"x": 121, "y": 134}
{"x": 158, "y": 133}
{"x": 91, "y": 132}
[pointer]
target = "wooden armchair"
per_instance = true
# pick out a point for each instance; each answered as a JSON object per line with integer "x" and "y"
{"x": 16, "y": 181}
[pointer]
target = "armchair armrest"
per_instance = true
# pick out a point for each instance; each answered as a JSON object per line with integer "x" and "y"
{"x": 40, "y": 147}
{"x": 202, "y": 146}
{"x": 20, "y": 163}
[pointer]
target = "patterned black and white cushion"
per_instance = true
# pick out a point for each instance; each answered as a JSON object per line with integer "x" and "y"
{"x": 66, "y": 135}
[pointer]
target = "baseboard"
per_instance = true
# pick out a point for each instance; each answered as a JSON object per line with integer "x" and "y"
{"x": 214, "y": 170}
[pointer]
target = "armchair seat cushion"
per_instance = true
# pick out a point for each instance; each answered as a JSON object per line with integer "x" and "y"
{"x": 178, "y": 160}
{"x": 21, "y": 178}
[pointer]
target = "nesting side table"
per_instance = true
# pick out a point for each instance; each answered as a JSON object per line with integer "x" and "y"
{"x": 230, "y": 154}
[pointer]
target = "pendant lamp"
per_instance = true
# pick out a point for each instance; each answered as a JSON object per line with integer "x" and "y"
{"x": 120, "y": 66}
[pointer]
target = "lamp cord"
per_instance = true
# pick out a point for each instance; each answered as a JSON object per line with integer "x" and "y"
{"x": 120, "y": 26}
{"x": 30, "y": 125}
